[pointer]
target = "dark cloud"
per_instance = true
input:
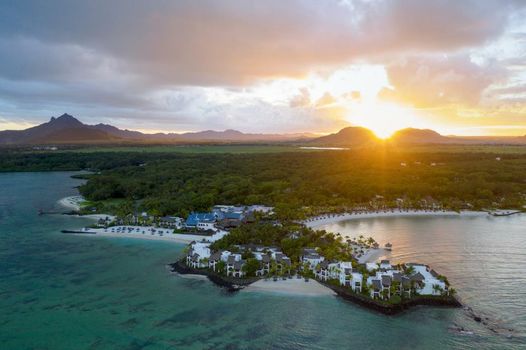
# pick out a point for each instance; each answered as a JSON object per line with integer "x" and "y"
{"x": 119, "y": 58}
{"x": 217, "y": 43}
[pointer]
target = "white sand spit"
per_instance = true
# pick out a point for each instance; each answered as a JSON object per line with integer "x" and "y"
{"x": 292, "y": 286}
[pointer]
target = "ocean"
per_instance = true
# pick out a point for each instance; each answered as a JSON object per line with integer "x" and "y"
{"x": 61, "y": 291}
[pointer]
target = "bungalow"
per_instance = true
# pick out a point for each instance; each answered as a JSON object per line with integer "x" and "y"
{"x": 311, "y": 257}
{"x": 345, "y": 276}
{"x": 386, "y": 285}
{"x": 198, "y": 254}
{"x": 215, "y": 258}
{"x": 231, "y": 260}
{"x": 322, "y": 270}
{"x": 376, "y": 288}
{"x": 238, "y": 269}
{"x": 418, "y": 279}
{"x": 356, "y": 282}
{"x": 405, "y": 286}
{"x": 283, "y": 262}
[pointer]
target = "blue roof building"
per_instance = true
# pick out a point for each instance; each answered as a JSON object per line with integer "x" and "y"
{"x": 195, "y": 218}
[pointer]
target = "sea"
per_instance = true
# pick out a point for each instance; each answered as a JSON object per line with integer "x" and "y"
{"x": 60, "y": 291}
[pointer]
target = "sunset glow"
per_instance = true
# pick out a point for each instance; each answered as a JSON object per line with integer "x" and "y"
{"x": 273, "y": 67}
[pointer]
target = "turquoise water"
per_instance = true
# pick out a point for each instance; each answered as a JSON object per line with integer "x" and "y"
{"x": 70, "y": 292}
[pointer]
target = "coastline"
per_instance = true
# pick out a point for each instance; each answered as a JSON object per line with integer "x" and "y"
{"x": 322, "y": 220}
{"x": 169, "y": 237}
{"x": 72, "y": 202}
{"x": 295, "y": 286}
{"x": 299, "y": 287}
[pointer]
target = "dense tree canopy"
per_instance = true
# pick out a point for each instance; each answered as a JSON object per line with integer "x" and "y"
{"x": 298, "y": 184}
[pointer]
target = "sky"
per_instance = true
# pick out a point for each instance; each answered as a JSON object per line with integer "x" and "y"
{"x": 458, "y": 67}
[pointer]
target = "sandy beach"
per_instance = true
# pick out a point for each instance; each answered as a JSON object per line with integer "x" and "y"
{"x": 72, "y": 202}
{"x": 292, "y": 286}
{"x": 151, "y": 233}
{"x": 372, "y": 255}
{"x": 318, "y": 221}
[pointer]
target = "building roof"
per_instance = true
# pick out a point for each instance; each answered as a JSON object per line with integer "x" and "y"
{"x": 216, "y": 256}
{"x": 377, "y": 285}
{"x": 231, "y": 259}
{"x": 406, "y": 282}
{"x": 417, "y": 277}
{"x": 195, "y": 218}
{"x": 397, "y": 277}
{"x": 386, "y": 281}
{"x": 238, "y": 265}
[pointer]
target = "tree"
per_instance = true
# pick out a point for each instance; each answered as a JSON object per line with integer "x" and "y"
{"x": 220, "y": 266}
{"x": 250, "y": 267}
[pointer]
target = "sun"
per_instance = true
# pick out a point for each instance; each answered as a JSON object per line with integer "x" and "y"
{"x": 382, "y": 118}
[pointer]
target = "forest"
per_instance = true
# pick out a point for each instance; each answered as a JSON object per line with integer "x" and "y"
{"x": 298, "y": 184}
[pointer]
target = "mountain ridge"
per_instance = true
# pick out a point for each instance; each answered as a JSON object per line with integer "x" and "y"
{"x": 67, "y": 129}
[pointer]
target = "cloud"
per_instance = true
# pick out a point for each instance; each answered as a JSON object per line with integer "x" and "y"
{"x": 188, "y": 65}
{"x": 223, "y": 43}
{"x": 431, "y": 81}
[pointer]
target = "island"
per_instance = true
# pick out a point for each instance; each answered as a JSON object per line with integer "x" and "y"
{"x": 237, "y": 246}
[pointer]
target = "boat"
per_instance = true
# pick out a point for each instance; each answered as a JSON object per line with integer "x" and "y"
{"x": 388, "y": 246}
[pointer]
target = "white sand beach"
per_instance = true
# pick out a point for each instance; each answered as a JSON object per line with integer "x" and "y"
{"x": 372, "y": 255}
{"x": 72, "y": 202}
{"x": 316, "y": 222}
{"x": 292, "y": 286}
{"x": 150, "y": 233}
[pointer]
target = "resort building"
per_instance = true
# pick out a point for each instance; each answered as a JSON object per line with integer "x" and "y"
{"x": 206, "y": 225}
{"x": 195, "y": 218}
{"x": 198, "y": 254}
{"x": 311, "y": 257}
{"x": 173, "y": 222}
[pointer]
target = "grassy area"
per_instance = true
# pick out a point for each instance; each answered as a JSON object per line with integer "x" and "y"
{"x": 192, "y": 149}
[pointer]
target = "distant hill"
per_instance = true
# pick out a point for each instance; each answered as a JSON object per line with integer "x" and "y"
{"x": 67, "y": 129}
{"x": 64, "y": 129}
{"x": 350, "y": 136}
{"x": 412, "y": 136}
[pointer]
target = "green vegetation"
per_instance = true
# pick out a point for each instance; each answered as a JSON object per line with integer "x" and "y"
{"x": 298, "y": 184}
{"x": 192, "y": 149}
{"x": 291, "y": 238}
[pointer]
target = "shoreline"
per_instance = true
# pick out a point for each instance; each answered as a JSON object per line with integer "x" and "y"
{"x": 145, "y": 232}
{"x": 314, "y": 287}
{"x": 168, "y": 237}
{"x": 322, "y": 220}
{"x": 295, "y": 286}
{"x": 71, "y": 202}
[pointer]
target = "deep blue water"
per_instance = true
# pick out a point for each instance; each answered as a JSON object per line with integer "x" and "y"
{"x": 70, "y": 292}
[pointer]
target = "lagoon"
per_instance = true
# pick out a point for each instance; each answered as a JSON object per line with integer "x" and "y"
{"x": 70, "y": 292}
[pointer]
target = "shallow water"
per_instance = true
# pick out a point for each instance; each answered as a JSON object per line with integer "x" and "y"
{"x": 72, "y": 292}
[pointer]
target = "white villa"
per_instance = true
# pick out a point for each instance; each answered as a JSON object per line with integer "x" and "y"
{"x": 198, "y": 254}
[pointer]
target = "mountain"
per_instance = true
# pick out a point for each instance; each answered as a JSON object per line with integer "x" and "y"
{"x": 350, "y": 136}
{"x": 68, "y": 130}
{"x": 64, "y": 129}
{"x": 410, "y": 135}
